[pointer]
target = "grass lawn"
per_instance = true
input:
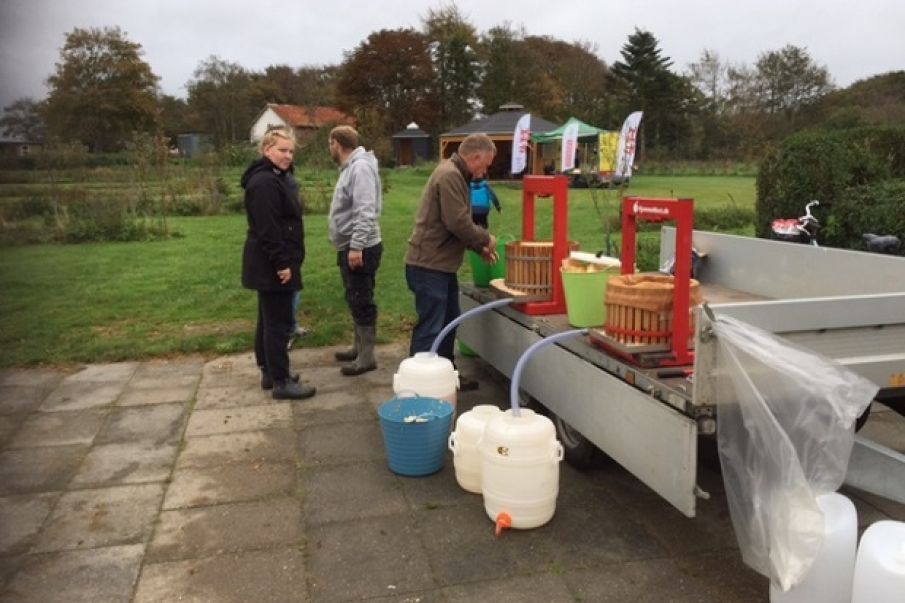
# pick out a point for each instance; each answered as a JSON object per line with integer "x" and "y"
{"x": 114, "y": 301}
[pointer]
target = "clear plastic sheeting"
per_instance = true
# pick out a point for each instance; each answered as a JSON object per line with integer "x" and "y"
{"x": 785, "y": 432}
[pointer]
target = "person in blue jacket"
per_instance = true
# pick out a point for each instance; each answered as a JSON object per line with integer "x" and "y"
{"x": 481, "y": 198}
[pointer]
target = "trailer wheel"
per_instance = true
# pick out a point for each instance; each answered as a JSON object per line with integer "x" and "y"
{"x": 579, "y": 451}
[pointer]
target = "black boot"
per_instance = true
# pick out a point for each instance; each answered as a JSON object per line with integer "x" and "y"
{"x": 267, "y": 382}
{"x": 366, "y": 337}
{"x": 467, "y": 385}
{"x": 349, "y": 354}
{"x": 290, "y": 390}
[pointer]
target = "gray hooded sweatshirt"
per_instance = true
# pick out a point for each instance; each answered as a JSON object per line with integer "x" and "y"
{"x": 357, "y": 203}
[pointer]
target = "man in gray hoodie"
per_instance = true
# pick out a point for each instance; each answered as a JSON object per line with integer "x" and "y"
{"x": 355, "y": 233}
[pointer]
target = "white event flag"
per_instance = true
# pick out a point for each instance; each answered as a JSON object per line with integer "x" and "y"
{"x": 520, "y": 139}
{"x": 625, "y": 153}
{"x": 569, "y": 144}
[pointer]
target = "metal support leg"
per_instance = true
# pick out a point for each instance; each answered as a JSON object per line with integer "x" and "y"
{"x": 877, "y": 469}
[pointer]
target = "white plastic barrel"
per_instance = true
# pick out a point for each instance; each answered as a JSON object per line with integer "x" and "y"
{"x": 830, "y": 578}
{"x": 464, "y": 445}
{"x": 429, "y": 375}
{"x": 520, "y": 459}
{"x": 880, "y": 565}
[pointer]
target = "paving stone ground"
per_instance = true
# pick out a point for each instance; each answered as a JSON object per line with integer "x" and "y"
{"x": 181, "y": 480}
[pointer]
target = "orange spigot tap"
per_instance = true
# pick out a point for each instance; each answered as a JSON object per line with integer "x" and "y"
{"x": 503, "y": 521}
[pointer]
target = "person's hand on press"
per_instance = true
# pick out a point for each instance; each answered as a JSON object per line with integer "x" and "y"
{"x": 489, "y": 252}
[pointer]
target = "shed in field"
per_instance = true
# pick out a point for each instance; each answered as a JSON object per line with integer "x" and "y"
{"x": 191, "y": 144}
{"x": 411, "y": 145}
{"x": 19, "y": 147}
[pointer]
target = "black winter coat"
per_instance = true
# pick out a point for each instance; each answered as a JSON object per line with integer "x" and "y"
{"x": 276, "y": 233}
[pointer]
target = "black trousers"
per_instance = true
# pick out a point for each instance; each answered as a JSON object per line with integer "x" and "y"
{"x": 272, "y": 332}
{"x": 359, "y": 285}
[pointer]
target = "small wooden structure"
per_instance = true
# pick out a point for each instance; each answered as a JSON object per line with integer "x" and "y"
{"x": 19, "y": 147}
{"x": 411, "y": 145}
{"x": 193, "y": 144}
{"x": 500, "y": 127}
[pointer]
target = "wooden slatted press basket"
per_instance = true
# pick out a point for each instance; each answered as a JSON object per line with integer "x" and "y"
{"x": 639, "y": 310}
{"x": 529, "y": 268}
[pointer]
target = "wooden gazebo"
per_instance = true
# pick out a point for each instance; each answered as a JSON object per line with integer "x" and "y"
{"x": 500, "y": 128}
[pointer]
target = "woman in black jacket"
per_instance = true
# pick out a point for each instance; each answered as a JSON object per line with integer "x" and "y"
{"x": 272, "y": 259}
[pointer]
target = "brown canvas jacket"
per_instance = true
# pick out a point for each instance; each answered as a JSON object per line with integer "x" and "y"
{"x": 443, "y": 225}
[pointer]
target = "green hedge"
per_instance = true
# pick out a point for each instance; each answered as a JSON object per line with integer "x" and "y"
{"x": 826, "y": 166}
{"x": 723, "y": 218}
{"x": 877, "y": 208}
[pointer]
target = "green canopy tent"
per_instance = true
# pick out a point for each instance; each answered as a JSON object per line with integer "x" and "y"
{"x": 584, "y": 131}
{"x": 549, "y": 145}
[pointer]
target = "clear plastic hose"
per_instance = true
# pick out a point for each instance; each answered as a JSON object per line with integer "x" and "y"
{"x": 517, "y": 373}
{"x": 463, "y": 316}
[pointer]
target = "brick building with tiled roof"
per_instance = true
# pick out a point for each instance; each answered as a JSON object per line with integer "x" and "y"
{"x": 305, "y": 121}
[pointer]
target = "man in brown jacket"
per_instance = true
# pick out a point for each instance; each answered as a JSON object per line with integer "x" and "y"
{"x": 443, "y": 231}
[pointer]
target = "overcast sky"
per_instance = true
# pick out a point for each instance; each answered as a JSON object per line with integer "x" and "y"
{"x": 853, "y": 39}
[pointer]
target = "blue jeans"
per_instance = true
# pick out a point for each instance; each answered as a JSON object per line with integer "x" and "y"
{"x": 437, "y": 305}
{"x": 296, "y": 302}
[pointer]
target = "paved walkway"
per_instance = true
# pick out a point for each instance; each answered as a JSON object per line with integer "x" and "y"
{"x": 182, "y": 481}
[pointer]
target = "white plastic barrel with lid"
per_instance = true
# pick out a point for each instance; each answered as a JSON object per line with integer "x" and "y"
{"x": 880, "y": 565}
{"x": 520, "y": 468}
{"x": 830, "y": 578}
{"x": 464, "y": 445}
{"x": 431, "y": 375}
{"x": 427, "y": 375}
{"x": 520, "y": 457}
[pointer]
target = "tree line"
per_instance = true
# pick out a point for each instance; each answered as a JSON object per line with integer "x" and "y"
{"x": 447, "y": 72}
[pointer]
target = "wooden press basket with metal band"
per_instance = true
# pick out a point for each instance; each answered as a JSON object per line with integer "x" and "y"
{"x": 529, "y": 267}
{"x": 639, "y": 309}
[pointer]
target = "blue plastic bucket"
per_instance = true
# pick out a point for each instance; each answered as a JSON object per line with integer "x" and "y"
{"x": 415, "y": 433}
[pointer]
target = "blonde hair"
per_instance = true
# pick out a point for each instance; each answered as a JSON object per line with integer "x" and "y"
{"x": 346, "y": 136}
{"x": 272, "y": 135}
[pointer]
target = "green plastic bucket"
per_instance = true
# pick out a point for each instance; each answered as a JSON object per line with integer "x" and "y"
{"x": 465, "y": 350}
{"x": 585, "y": 293}
{"x": 482, "y": 272}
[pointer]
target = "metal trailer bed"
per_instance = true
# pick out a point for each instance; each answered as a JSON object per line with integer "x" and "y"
{"x": 846, "y": 305}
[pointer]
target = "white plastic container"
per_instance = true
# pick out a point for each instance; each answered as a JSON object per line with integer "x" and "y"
{"x": 429, "y": 375}
{"x": 880, "y": 565}
{"x": 520, "y": 459}
{"x": 830, "y": 578}
{"x": 464, "y": 445}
